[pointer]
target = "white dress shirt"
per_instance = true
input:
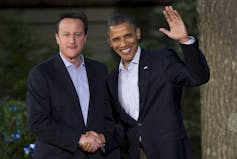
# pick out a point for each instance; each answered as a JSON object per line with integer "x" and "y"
{"x": 128, "y": 90}
{"x": 80, "y": 81}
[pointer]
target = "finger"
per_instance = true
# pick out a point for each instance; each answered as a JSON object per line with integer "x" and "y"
{"x": 91, "y": 139}
{"x": 98, "y": 141}
{"x": 171, "y": 13}
{"x": 84, "y": 146}
{"x": 91, "y": 148}
{"x": 170, "y": 10}
{"x": 177, "y": 14}
{"x": 165, "y": 31}
{"x": 95, "y": 137}
{"x": 167, "y": 16}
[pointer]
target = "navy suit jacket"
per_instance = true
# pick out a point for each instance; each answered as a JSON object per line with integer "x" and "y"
{"x": 54, "y": 112}
{"x": 162, "y": 75}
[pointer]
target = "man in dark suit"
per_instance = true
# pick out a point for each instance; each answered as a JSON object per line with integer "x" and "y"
{"x": 65, "y": 97}
{"x": 146, "y": 88}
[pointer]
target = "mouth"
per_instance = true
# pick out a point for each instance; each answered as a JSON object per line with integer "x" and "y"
{"x": 125, "y": 51}
{"x": 72, "y": 47}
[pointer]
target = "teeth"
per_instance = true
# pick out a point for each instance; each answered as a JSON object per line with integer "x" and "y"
{"x": 126, "y": 50}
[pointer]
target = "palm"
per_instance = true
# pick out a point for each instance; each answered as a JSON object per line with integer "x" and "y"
{"x": 177, "y": 28}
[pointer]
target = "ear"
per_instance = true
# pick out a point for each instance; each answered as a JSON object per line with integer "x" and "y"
{"x": 109, "y": 41}
{"x": 57, "y": 38}
{"x": 85, "y": 38}
{"x": 138, "y": 33}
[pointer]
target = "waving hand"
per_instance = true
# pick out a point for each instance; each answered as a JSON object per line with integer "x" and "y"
{"x": 177, "y": 30}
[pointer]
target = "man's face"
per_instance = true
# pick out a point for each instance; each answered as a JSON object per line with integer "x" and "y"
{"x": 71, "y": 38}
{"x": 123, "y": 38}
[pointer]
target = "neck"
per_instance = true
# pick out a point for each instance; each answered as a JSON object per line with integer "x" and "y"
{"x": 76, "y": 61}
{"x": 125, "y": 64}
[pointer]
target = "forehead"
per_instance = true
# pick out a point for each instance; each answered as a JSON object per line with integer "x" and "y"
{"x": 70, "y": 23}
{"x": 120, "y": 29}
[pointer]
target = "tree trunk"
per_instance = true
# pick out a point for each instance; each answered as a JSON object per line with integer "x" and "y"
{"x": 218, "y": 40}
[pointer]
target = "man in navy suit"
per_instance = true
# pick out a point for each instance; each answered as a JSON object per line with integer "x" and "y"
{"x": 145, "y": 90}
{"x": 65, "y": 97}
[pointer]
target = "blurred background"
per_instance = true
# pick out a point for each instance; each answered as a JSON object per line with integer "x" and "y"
{"x": 27, "y": 37}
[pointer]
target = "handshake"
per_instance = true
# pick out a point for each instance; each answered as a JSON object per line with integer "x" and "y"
{"x": 91, "y": 141}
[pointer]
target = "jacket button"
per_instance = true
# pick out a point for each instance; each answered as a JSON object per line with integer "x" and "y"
{"x": 139, "y": 124}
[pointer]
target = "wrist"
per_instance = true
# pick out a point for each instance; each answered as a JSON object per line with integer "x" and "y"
{"x": 102, "y": 137}
{"x": 184, "y": 39}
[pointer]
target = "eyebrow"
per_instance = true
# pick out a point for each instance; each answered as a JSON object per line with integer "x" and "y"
{"x": 128, "y": 34}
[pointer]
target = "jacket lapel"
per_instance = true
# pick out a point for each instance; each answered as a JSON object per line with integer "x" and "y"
{"x": 66, "y": 82}
{"x": 114, "y": 81}
{"x": 91, "y": 77}
{"x": 144, "y": 70}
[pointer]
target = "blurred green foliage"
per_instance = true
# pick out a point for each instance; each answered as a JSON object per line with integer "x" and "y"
{"x": 20, "y": 49}
{"x": 14, "y": 134}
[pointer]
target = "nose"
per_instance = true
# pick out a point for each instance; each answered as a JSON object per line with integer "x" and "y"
{"x": 123, "y": 42}
{"x": 72, "y": 39}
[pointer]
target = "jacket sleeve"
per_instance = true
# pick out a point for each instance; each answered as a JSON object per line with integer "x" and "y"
{"x": 114, "y": 130}
{"x": 193, "y": 71}
{"x": 40, "y": 112}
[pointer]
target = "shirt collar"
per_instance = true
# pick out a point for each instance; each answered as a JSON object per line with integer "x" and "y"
{"x": 69, "y": 64}
{"x": 135, "y": 59}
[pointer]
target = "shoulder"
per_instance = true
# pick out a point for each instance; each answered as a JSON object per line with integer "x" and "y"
{"x": 113, "y": 75}
{"x": 114, "y": 72}
{"x": 96, "y": 67}
{"x": 94, "y": 63}
{"x": 44, "y": 66}
{"x": 158, "y": 54}
{"x": 47, "y": 63}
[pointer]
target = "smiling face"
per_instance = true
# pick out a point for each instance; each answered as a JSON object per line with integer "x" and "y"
{"x": 71, "y": 38}
{"x": 123, "y": 38}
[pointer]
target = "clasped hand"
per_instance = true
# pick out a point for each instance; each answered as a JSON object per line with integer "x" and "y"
{"x": 91, "y": 141}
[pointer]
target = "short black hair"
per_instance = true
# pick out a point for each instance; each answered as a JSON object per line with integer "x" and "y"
{"x": 75, "y": 15}
{"x": 117, "y": 19}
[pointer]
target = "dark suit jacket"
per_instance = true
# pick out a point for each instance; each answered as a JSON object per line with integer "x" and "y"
{"x": 54, "y": 113}
{"x": 161, "y": 78}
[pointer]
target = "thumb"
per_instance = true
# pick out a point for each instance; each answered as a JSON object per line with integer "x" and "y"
{"x": 165, "y": 31}
{"x": 93, "y": 133}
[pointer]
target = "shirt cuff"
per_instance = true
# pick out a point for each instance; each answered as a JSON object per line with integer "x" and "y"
{"x": 102, "y": 147}
{"x": 191, "y": 40}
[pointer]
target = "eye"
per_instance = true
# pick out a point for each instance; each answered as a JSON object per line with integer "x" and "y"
{"x": 65, "y": 34}
{"x": 78, "y": 34}
{"x": 115, "y": 39}
{"x": 128, "y": 36}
